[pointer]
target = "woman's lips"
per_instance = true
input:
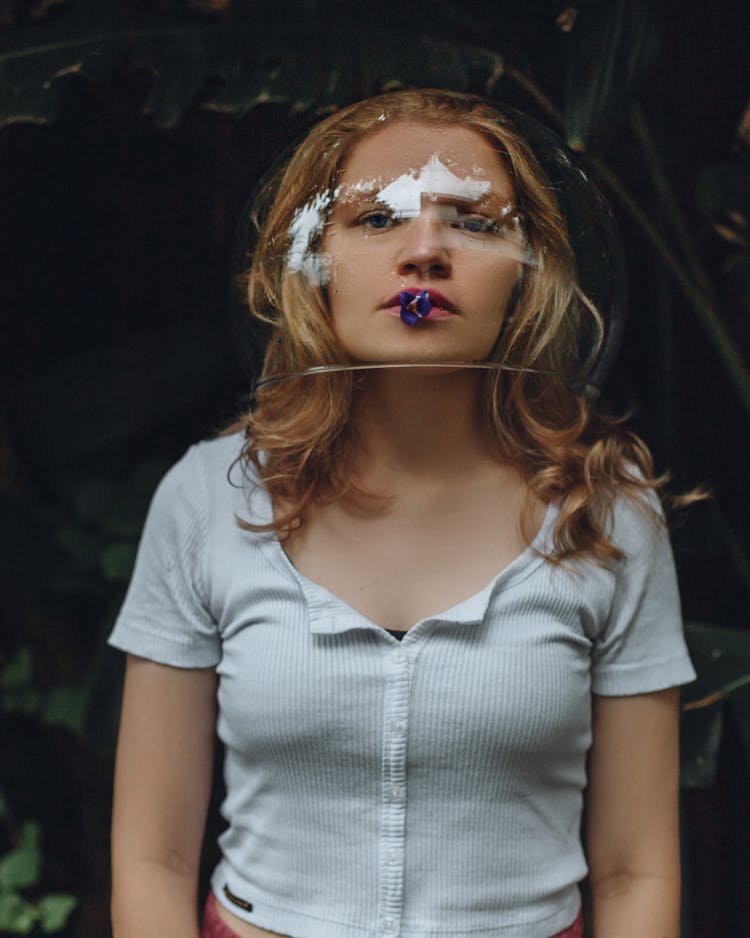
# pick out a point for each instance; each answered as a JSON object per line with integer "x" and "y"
{"x": 437, "y": 312}
{"x": 441, "y": 305}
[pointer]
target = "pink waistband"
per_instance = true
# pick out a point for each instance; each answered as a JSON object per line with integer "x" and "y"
{"x": 574, "y": 931}
{"x": 213, "y": 927}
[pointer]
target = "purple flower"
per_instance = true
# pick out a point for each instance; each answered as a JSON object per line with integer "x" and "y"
{"x": 414, "y": 306}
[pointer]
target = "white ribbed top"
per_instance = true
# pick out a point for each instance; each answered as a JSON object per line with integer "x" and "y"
{"x": 425, "y": 788}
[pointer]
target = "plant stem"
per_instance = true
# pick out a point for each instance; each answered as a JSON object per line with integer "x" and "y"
{"x": 533, "y": 90}
{"x": 701, "y": 295}
{"x": 670, "y": 204}
{"x": 718, "y": 695}
{"x": 702, "y": 304}
{"x": 732, "y": 544}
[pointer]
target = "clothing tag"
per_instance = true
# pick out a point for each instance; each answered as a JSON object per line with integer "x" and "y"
{"x": 242, "y": 903}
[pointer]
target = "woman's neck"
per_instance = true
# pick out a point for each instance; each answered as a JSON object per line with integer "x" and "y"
{"x": 420, "y": 426}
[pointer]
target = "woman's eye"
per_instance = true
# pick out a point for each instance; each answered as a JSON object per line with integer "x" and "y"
{"x": 376, "y": 220}
{"x": 477, "y": 224}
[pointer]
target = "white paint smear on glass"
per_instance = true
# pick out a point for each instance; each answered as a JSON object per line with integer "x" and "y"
{"x": 307, "y": 225}
{"x": 404, "y": 195}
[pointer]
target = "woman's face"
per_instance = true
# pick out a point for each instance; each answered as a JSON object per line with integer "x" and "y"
{"x": 420, "y": 207}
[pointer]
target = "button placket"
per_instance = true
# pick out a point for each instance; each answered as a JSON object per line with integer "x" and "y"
{"x": 393, "y": 819}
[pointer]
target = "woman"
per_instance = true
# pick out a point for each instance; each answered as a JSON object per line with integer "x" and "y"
{"x": 429, "y": 604}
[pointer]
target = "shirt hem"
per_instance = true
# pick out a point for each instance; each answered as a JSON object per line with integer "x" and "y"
{"x": 147, "y": 645}
{"x": 640, "y": 679}
{"x": 292, "y": 923}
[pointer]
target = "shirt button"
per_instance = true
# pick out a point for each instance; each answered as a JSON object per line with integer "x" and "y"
{"x": 398, "y": 728}
{"x": 397, "y": 794}
{"x": 389, "y": 926}
{"x": 393, "y": 857}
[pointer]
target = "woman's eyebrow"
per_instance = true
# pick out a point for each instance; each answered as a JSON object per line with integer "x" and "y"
{"x": 359, "y": 194}
{"x": 495, "y": 200}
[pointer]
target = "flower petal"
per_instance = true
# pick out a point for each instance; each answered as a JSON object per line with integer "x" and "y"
{"x": 408, "y": 315}
{"x": 414, "y": 306}
{"x": 423, "y": 305}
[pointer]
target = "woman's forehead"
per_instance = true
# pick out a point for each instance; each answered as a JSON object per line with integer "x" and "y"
{"x": 432, "y": 158}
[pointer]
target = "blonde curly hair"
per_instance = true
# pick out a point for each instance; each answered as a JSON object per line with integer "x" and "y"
{"x": 567, "y": 450}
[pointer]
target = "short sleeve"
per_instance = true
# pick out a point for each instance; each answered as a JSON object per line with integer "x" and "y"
{"x": 641, "y": 646}
{"x": 165, "y": 616}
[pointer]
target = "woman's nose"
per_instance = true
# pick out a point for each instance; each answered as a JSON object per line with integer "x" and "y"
{"x": 424, "y": 249}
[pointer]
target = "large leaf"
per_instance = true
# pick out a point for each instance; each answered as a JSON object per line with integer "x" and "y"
{"x": 67, "y": 706}
{"x": 611, "y": 47}
{"x": 54, "y": 911}
{"x": 700, "y": 738}
{"x": 17, "y": 691}
{"x": 34, "y": 57}
{"x": 232, "y": 68}
{"x": 17, "y": 916}
{"x": 21, "y": 868}
{"x": 722, "y": 661}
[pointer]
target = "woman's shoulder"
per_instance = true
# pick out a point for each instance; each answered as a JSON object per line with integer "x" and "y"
{"x": 218, "y": 451}
{"x": 210, "y": 476}
{"x": 636, "y": 527}
{"x": 636, "y": 512}
{"x": 215, "y": 460}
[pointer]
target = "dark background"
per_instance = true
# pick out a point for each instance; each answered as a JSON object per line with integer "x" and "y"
{"x": 121, "y": 346}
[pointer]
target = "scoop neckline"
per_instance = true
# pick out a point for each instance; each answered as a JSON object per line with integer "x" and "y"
{"x": 523, "y": 564}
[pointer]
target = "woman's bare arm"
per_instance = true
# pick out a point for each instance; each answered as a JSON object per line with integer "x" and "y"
{"x": 633, "y": 820}
{"x": 162, "y": 787}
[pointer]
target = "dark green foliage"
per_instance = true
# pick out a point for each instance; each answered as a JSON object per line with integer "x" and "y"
{"x": 723, "y": 198}
{"x": 722, "y": 659}
{"x": 20, "y": 870}
{"x": 134, "y": 132}
{"x": 232, "y": 68}
{"x": 610, "y": 51}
